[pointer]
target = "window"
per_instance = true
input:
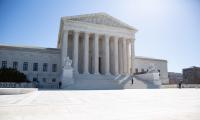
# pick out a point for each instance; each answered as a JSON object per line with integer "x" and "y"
{"x": 4, "y": 64}
{"x": 54, "y": 67}
{"x": 45, "y": 67}
{"x": 44, "y": 80}
{"x": 15, "y": 65}
{"x": 35, "y": 79}
{"x": 53, "y": 80}
{"x": 142, "y": 70}
{"x": 25, "y": 66}
{"x": 35, "y": 66}
{"x": 159, "y": 72}
{"x": 136, "y": 70}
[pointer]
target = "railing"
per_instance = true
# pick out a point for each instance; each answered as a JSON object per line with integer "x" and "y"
{"x": 183, "y": 86}
{"x": 50, "y": 86}
{"x": 138, "y": 73}
{"x": 16, "y": 85}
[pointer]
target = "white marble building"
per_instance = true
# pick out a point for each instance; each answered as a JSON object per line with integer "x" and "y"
{"x": 101, "y": 49}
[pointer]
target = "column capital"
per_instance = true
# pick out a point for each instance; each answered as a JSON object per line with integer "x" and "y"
{"x": 107, "y": 36}
{"x": 86, "y": 32}
{"x": 122, "y": 38}
{"x": 96, "y": 33}
{"x": 64, "y": 31}
{"x": 133, "y": 39}
{"x": 115, "y": 37}
{"x": 76, "y": 31}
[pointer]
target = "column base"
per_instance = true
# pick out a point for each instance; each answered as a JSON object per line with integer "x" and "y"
{"x": 86, "y": 73}
{"x": 116, "y": 74}
{"x": 75, "y": 72}
{"x": 96, "y": 73}
{"x": 107, "y": 74}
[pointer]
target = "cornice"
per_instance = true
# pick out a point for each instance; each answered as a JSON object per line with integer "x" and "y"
{"x": 97, "y": 28}
{"x": 30, "y": 49}
{"x": 101, "y": 14}
{"x": 147, "y": 58}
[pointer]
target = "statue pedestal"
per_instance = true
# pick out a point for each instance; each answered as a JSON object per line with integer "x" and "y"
{"x": 67, "y": 77}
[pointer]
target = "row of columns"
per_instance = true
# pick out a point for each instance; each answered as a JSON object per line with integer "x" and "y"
{"x": 124, "y": 53}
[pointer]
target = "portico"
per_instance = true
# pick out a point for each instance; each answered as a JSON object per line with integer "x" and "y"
{"x": 95, "y": 53}
{"x": 96, "y": 45}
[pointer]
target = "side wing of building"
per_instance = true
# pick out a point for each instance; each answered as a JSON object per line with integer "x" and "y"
{"x": 39, "y": 64}
{"x": 142, "y": 63}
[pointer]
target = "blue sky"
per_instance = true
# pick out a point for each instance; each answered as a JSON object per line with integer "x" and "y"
{"x": 168, "y": 29}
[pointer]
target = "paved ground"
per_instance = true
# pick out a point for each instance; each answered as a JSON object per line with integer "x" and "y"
{"x": 137, "y": 104}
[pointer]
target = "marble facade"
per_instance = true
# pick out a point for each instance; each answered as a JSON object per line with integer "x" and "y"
{"x": 97, "y": 44}
{"x": 100, "y": 47}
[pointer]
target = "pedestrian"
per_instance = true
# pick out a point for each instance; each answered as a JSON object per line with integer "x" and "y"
{"x": 60, "y": 84}
{"x": 179, "y": 84}
{"x": 132, "y": 80}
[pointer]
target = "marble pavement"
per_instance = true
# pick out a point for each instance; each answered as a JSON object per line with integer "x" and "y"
{"x": 137, "y": 104}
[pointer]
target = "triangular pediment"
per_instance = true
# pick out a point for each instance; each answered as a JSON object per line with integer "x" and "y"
{"x": 99, "y": 18}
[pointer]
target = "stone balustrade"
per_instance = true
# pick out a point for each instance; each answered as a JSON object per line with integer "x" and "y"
{"x": 16, "y": 85}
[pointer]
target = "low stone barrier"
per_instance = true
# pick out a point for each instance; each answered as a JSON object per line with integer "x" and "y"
{"x": 183, "y": 86}
{"x": 13, "y": 91}
{"x": 51, "y": 86}
{"x": 16, "y": 85}
{"x": 150, "y": 77}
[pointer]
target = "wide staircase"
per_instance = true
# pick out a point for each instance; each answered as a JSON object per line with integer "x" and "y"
{"x": 140, "y": 84}
{"x": 101, "y": 82}
{"x": 94, "y": 81}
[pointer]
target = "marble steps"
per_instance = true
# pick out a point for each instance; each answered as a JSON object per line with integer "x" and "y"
{"x": 93, "y": 77}
{"x": 150, "y": 84}
{"x": 91, "y": 81}
{"x": 97, "y": 81}
{"x": 140, "y": 84}
{"x": 137, "y": 84}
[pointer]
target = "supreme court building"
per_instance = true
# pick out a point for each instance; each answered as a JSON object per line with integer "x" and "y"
{"x": 97, "y": 49}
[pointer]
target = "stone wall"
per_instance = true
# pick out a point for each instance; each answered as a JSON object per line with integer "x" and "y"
{"x": 33, "y": 55}
{"x": 142, "y": 64}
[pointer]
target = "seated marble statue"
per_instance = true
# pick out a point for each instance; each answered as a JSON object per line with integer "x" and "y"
{"x": 67, "y": 63}
{"x": 152, "y": 68}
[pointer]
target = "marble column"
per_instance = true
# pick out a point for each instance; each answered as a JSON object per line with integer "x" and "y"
{"x": 64, "y": 46}
{"x": 124, "y": 57}
{"x": 132, "y": 55}
{"x": 75, "y": 51}
{"x": 96, "y": 53}
{"x": 116, "y": 58}
{"x": 107, "y": 55}
{"x": 120, "y": 48}
{"x": 128, "y": 54}
{"x": 86, "y": 53}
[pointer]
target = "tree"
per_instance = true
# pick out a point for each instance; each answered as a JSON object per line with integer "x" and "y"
{"x": 12, "y": 75}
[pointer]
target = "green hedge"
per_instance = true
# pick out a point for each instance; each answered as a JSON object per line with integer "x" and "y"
{"x": 12, "y": 75}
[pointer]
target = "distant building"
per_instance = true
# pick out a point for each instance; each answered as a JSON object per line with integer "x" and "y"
{"x": 191, "y": 75}
{"x": 174, "y": 78}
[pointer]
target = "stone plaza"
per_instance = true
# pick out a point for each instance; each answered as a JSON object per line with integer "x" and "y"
{"x": 132, "y": 104}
